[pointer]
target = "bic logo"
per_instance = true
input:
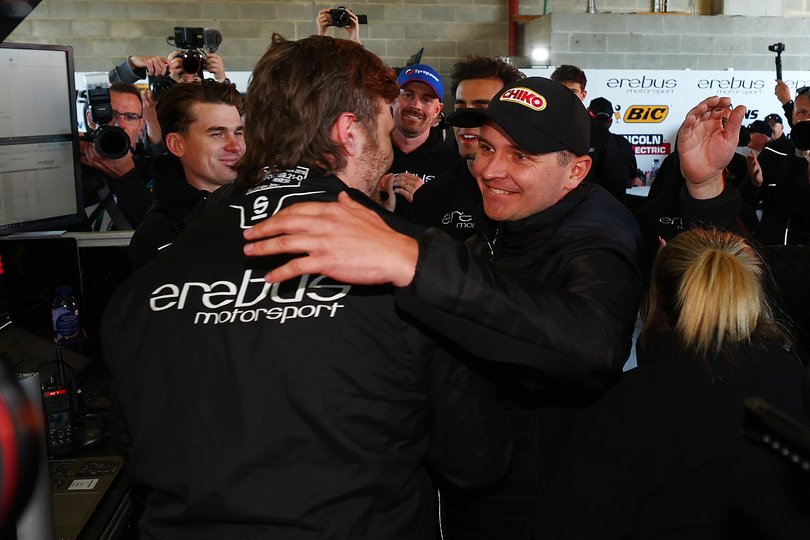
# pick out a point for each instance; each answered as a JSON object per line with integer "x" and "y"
{"x": 652, "y": 114}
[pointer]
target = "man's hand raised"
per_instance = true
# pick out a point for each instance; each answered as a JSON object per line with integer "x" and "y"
{"x": 707, "y": 140}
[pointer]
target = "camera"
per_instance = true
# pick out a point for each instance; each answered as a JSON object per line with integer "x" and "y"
{"x": 111, "y": 142}
{"x": 800, "y": 136}
{"x": 190, "y": 41}
{"x": 341, "y": 19}
{"x": 194, "y": 43}
{"x": 778, "y": 48}
{"x": 159, "y": 84}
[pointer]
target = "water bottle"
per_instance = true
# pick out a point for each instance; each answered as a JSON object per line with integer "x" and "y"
{"x": 67, "y": 328}
{"x": 654, "y": 171}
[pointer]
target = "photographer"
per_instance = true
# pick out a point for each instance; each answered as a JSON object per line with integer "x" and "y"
{"x": 213, "y": 64}
{"x": 115, "y": 190}
{"x": 136, "y": 68}
{"x": 325, "y": 19}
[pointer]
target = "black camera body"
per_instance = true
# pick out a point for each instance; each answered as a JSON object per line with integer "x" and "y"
{"x": 341, "y": 19}
{"x": 111, "y": 142}
{"x": 777, "y": 48}
{"x": 159, "y": 84}
{"x": 194, "y": 43}
{"x": 190, "y": 41}
{"x": 800, "y": 136}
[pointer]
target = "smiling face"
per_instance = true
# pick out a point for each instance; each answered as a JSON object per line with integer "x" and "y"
{"x": 516, "y": 184}
{"x": 473, "y": 94}
{"x": 416, "y": 109}
{"x": 211, "y": 146}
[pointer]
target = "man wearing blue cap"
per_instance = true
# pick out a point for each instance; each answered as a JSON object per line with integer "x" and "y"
{"x": 420, "y": 152}
{"x": 543, "y": 302}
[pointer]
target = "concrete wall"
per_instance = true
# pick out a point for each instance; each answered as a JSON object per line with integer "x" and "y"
{"x": 670, "y": 41}
{"x": 102, "y": 32}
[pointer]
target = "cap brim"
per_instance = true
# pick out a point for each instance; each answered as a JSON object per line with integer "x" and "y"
{"x": 524, "y": 133}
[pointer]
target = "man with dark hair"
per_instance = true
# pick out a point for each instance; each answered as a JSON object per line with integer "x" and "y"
{"x": 308, "y": 408}
{"x": 544, "y": 301}
{"x": 450, "y": 201}
{"x": 572, "y": 78}
{"x": 115, "y": 191}
{"x": 203, "y": 133}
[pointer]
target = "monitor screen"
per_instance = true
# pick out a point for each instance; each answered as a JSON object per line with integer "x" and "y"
{"x": 39, "y": 149}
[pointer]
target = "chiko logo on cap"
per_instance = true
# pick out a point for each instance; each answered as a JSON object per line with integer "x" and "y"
{"x": 526, "y": 97}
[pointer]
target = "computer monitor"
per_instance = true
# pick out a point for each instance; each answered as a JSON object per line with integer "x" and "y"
{"x": 40, "y": 172}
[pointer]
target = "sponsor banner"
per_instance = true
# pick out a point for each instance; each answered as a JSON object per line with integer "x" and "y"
{"x": 650, "y": 105}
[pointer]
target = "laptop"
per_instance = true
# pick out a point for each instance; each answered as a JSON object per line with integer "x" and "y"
{"x": 78, "y": 485}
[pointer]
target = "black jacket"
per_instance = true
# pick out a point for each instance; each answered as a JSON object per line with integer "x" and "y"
{"x": 550, "y": 318}
{"x": 128, "y": 197}
{"x": 448, "y": 203}
{"x": 174, "y": 201}
{"x": 661, "y": 455}
{"x": 302, "y": 409}
{"x": 430, "y": 160}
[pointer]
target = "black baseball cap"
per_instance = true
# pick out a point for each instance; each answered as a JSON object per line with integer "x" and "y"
{"x": 773, "y": 119}
{"x": 760, "y": 126}
{"x": 539, "y": 114}
{"x": 601, "y": 107}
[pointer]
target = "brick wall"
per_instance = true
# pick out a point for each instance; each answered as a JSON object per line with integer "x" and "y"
{"x": 102, "y": 32}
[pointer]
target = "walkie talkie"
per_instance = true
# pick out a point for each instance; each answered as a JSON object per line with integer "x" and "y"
{"x": 56, "y": 403}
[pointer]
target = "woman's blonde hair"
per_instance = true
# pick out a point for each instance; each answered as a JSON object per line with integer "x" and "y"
{"x": 707, "y": 286}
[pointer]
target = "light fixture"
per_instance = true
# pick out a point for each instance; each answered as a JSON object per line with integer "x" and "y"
{"x": 540, "y": 55}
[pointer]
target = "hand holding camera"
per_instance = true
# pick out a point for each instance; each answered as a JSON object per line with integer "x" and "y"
{"x": 196, "y": 49}
{"x": 340, "y": 17}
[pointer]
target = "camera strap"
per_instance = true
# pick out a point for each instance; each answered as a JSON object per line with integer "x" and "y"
{"x": 107, "y": 204}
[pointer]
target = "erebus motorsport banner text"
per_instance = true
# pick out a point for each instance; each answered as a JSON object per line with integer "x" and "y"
{"x": 650, "y": 105}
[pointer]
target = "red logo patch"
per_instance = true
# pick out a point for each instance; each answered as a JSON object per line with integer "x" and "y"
{"x": 526, "y": 97}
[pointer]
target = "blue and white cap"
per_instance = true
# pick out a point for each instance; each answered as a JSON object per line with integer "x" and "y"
{"x": 422, "y": 73}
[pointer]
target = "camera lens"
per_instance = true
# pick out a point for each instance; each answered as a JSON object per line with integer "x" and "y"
{"x": 112, "y": 142}
{"x": 191, "y": 64}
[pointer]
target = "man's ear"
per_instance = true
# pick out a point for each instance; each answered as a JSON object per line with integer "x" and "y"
{"x": 579, "y": 168}
{"x": 175, "y": 144}
{"x": 345, "y": 132}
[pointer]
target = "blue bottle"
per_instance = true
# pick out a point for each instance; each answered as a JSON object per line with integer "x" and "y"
{"x": 67, "y": 328}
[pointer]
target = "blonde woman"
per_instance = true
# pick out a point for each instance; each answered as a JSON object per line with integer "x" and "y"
{"x": 661, "y": 455}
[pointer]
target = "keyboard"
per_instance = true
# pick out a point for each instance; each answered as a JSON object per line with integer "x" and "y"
{"x": 58, "y": 470}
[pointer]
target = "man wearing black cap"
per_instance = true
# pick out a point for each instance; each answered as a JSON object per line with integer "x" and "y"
{"x": 544, "y": 302}
{"x": 764, "y": 164}
{"x": 614, "y": 163}
{"x": 449, "y": 201}
{"x": 780, "y": 141}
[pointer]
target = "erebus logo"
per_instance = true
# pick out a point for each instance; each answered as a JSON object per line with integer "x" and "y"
{"x": 526, "y": 97}
{"x": 652, "y": 114}
{"x": 252, "y": 299}
{"x": 731, "y": 84}
{"x": 459, "y": 220}
{"x": 643, "y": 83}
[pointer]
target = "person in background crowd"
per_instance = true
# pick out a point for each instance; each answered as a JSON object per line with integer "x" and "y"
{"x": 420, "y": 153}
{"x": 614, "y": 163}
{"x": 204, "y": 137}
{"x": 572, "y": 78}
{"x": 115, "y": 190}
